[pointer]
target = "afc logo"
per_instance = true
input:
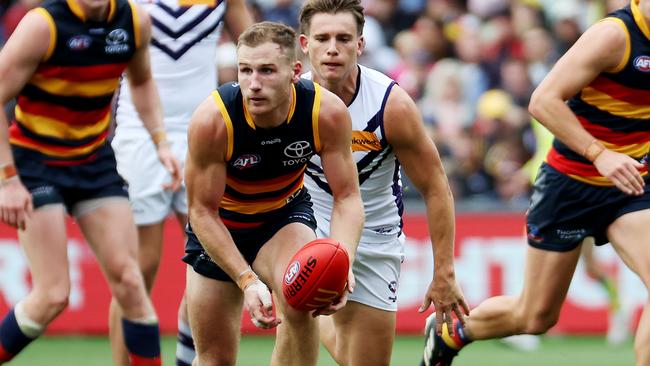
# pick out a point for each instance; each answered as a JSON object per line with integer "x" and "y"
{"x": 642, "y": 63}
{"x": 116, "y": 41}
{"x": 298, "y": 152}
{"x": 79, "y": 42}
{"x": 246, "y": 161}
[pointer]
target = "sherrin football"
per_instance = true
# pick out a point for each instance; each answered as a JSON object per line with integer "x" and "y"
{"x": 316, "y": 275}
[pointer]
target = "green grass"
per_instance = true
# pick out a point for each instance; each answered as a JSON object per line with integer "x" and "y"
{"x": 255, "y": 351}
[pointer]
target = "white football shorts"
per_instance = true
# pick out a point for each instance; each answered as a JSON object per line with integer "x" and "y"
{"x": 138, "y": 164}
{"x": 376, "y": 266}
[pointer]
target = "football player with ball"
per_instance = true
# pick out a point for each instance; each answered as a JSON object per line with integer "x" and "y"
{"x": 249, "y": 143}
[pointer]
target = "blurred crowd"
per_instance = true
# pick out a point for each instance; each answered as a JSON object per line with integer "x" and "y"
{"x": 471, "y": 65}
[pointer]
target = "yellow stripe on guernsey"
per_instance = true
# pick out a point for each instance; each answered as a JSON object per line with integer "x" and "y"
{"x": 209, "y": 3}
{"x": 628, "y": 47}
{"x": 263, "y": 187}
{"x": 639, "y": 19}
{"x": 52, "y": 26}
{"x": 635, "y": 150}
{"x": 315, "y": 111}
{"x": 613, "y": 106}
{"x": 58, "y": 152}
{"x": 258, "y": 206}
{"x": 45, "y": 126}
{"x": 70, "y": 88}
{"x": 598, "y": 181}
{"x": 227, "y": 121}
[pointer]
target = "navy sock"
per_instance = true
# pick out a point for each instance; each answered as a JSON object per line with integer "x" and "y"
{"x": 12, "y": 339}
{"x": 143, "y": 342}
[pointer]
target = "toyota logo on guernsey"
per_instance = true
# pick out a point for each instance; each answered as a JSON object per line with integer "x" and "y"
{"x": 298, "y": 152}
{"x": 116, "y": 41}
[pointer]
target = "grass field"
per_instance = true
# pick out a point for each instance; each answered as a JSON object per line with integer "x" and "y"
{"x": 255, "y": 351}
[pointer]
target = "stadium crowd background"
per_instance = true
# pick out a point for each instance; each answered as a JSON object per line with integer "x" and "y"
{"x": 471, "y": 65}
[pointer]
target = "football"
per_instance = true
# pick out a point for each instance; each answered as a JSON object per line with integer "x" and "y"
{"x": 316, "y": 275}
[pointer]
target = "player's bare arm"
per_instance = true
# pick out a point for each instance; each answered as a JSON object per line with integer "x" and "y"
{"x": 237, "y": 18}
{"x": 335, "y": 129}
{"x": 421, "y": 162}
{"x": 19, "y": 59}
{"x": 602, "y": 48}
{"x": 205, "y": 178}
{"x": 147, "y": 101}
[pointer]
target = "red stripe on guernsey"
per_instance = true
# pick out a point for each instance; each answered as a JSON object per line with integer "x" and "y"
{"x": 572, "y": 167}
{"x": 4, "y": 355}
{"x": 144, "y": 361}
{"x": 63, "y": 114}
{"x": 614, "y": 137}
{"x": 240, "y": 225}
{"x": 620, "y": 92}
{"x": 82, "y": 73}
{"x": 16, "y": 134}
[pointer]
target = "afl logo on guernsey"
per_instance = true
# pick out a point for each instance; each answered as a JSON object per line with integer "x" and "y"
{"x": 642, "y": 63}
{"x": 79, "y": 42}
{"x": 116, "y": 41}
{"x": 246, "y": 161}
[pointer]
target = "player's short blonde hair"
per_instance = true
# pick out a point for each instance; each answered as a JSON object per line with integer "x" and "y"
{"x": 277, "y": 33}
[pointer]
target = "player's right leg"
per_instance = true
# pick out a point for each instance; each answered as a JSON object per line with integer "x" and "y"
{"x": 296, "y": 342}
{"x": 45, "y": 245}
{"x": 150, "y": 240}
{"x": 115, "y": 245}
{"x": 137, "y": 162}
{"x": 361, "y": 327}
{"x": 630, "y": 236}
{"x": 214, "y": 309}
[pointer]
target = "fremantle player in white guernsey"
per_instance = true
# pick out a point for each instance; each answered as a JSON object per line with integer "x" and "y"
{"x": 387, "y": 133}
{"x": 183, "y": 46}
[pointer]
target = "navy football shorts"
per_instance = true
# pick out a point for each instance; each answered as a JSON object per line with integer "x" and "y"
{"x": 563, "y": 211}
{"x": 67, "y": 182}
{"x": 249, "y": 241}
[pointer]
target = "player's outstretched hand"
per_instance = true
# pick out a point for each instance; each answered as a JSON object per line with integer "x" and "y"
{"x": 172, "y": 165}
{"x": 259, "y": 303}
{"x": 621, "y": 170}
{"x": 447, "y": 298}
{"x": 15, "y": 203}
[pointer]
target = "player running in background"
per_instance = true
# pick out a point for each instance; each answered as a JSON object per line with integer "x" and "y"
{"x": 184, "y": 42}
{"x": 592, "y": 184}
{"x": 64, "y": 62}
{"x": 249, "y": 213}
{"x": 387, "y": 133}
